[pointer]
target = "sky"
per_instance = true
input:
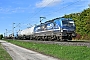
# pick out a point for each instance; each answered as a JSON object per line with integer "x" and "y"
{"x": 25, "y": 13}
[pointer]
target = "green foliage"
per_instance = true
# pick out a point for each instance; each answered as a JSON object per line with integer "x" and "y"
{"x": 82, "y": 21}
{"x": 61, "y": 52}
{"x": 1, "y": 36}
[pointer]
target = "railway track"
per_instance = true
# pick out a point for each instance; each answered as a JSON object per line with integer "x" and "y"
{"x": 68, "y": 43}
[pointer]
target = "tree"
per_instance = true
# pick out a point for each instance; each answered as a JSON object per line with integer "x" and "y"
{"x": 1, "y": 36}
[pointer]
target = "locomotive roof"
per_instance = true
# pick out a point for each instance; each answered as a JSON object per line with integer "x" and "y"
{"x": 62, "y": 18}
{"x": 49, "y": 21}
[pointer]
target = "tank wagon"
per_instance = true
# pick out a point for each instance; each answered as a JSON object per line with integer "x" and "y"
{"x": 26, "y": 33}
{"x": 56, "y": 29}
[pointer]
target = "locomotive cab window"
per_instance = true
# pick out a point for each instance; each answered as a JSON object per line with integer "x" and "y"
{"x": 65, "y": 23}
{"x": 68, "y": 23}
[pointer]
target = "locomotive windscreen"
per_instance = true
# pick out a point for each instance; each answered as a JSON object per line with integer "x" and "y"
{"x": 68, "y": 23}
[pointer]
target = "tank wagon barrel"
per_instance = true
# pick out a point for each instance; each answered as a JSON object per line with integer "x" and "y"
{"x": 25, "y": 34}
{"x": 56, "y": 29}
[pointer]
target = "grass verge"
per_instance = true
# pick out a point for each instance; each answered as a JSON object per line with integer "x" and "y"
{"x": 61, "y": 52}
{"x": 3, "y": 54}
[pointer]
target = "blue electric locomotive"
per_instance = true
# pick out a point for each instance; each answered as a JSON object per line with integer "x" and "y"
{"x": 57, "y": 29}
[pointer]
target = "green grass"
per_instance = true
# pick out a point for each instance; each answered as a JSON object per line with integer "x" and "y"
{"x": 61, "y": 52}
{"x": 4, "y": 55}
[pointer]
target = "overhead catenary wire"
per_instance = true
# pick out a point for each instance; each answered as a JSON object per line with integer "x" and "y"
{"x": 41, "y": 9}
{"x": 53, "y": 11}
{"x": 63, "y": 8}
{"x": 36, "y": 12}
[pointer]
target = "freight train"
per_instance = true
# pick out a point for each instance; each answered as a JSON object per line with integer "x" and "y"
{"x": 61, "y": 29}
